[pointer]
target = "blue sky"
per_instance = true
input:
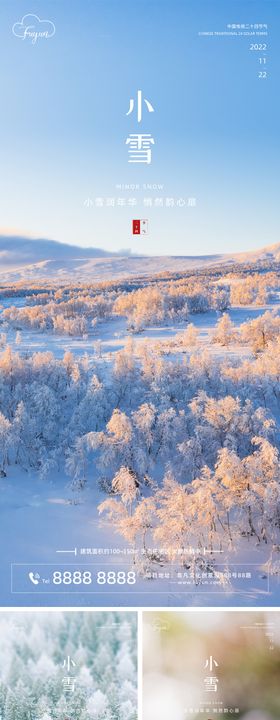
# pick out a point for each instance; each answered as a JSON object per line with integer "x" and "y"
{"x": 63, "y": 123}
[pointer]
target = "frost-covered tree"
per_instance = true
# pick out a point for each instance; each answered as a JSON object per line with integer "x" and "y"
{"x": 5, "y": 441}
{"x": 189, "y": 337}
{"x": 260, "y": 331}
{"x": 225, "y": 332}
{"x": 252, "y": 489}
{"x": 97, "y": 705}
{"x": 174, "y": 511}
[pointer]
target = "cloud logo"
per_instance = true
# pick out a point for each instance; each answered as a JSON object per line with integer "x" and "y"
{"x": 32, "y": 28}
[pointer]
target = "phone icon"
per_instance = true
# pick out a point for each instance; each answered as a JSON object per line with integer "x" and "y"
{"x": 34, "y": 577}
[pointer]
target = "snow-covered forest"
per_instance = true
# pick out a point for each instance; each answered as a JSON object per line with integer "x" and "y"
{"x": 68, "y": 665}
{"x": 160, "y": 393}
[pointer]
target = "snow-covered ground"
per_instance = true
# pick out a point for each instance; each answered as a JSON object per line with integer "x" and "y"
{"x": 113, "y": 333}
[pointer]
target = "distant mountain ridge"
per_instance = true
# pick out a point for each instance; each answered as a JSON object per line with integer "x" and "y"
{"x": 31, "y": 259}
{"x": 17, "y": 250}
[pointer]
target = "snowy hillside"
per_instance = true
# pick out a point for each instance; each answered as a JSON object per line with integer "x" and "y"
{"x": 22, "y": 258}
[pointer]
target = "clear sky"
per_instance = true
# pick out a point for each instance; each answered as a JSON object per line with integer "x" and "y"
{"x": 63, "y": 123}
